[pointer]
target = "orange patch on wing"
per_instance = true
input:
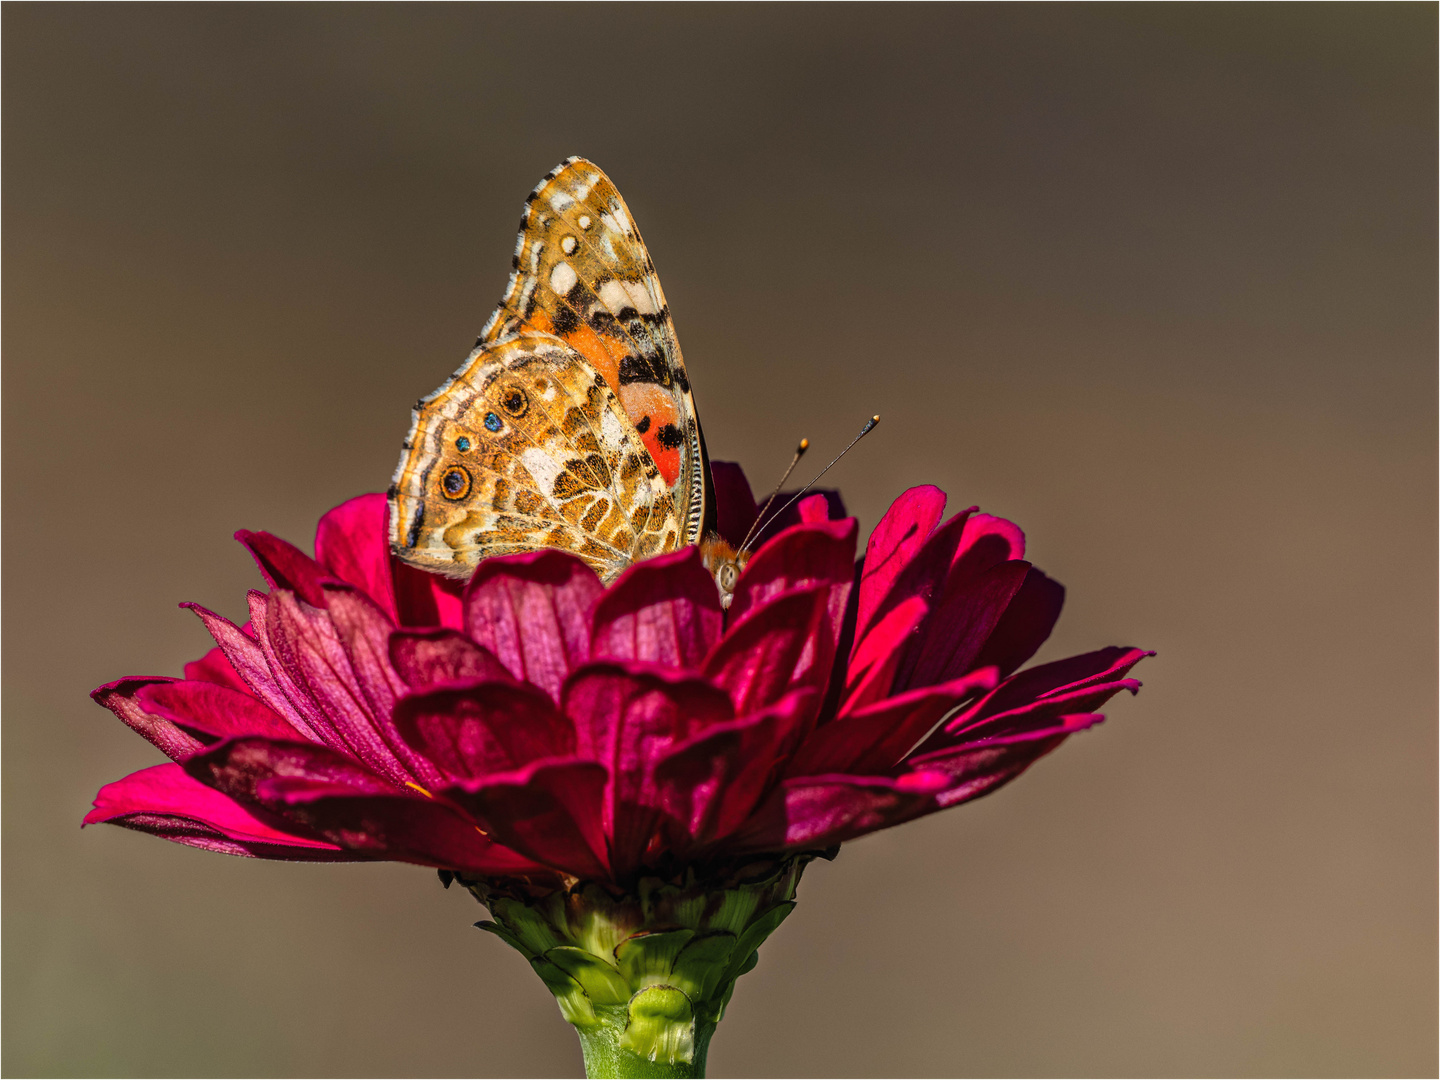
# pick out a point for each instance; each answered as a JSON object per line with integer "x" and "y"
{"x": 643, "y": 400}
{"x": 603, "y": 358}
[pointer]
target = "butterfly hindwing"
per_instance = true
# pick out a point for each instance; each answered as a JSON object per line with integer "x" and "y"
{"x": 582, "y": 273}
{"x": 528, "y": 447}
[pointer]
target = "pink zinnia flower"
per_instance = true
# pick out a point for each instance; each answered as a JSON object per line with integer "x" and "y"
{"x": 542, "y": 737}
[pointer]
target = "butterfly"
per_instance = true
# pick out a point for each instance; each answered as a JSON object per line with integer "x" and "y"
{"x": 571, "y": 425}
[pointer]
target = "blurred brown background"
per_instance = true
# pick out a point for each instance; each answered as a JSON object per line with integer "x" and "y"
{"x": 1157, "y": 282}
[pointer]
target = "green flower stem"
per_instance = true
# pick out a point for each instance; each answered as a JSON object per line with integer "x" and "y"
{"x": 644, "y": 976}
{"x": 605, "y": 1056}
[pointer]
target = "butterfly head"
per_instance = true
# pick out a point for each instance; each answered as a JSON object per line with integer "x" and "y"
{"x": 724, "y": 564}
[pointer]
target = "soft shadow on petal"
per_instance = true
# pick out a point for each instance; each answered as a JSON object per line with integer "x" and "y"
{"x": 710, "y": 783}
{"x": 432, "y": 657}
{"x": 818, "y": 811}
{"x": 549, "y": 810}
{"x": 1027, "y": 622}
{"x": 216, "y": 712}
{"x": 336, "y": 797}
{"x": 627, "y": 716}
{"x": 471, "y": 730}
{"x": 665, "y": 609}
{"x": 817, "y": 553}
{"x": 780, "y": 646}
{"x": 533, "y": 612}
{"x": 960, "y": 622}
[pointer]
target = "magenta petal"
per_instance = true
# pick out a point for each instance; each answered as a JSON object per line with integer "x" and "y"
{"x": 876, "y": 656}
{"x": 818, "y": 811}
{"x": 1062, "y": 676}
{"x": 247, "y": 658}
{"x": 960, "y": 623}
{"x": 982, "y": 722}
{"x": 1026, "y": 624}
{"x": 426, "y": 599}
{"x": 329, "y": 793}
{"x": 351, "y": 542}
{"x": 978, "y": 768}
{"x": 987, "y": 541}
{"x": 710, "y": 783}
{"x": 238, "y": 766}
{"x": 122, "y": 698}
{"x": 364, "y": 631}
{"x": 665, "y": 609}
{"x": 896, "y": 540}
{"x": 397, "y": 827}
{"x": 475, "y": 729}
{"x": 533, "y": 612}
{"x": 874, "y": 739}
{"x": 214, "y": 668}
{"x": 165, "y": 801}
{"x": 778, "y": 519}
{"x": 305, "y": 651}
{"x": 549, "y": 810}
{"x": 780, "y": 646}
{"x": 813, "y": 508}
{"x": 430, "y": 657}
{"x": 285, "y": 566}
{"x": 734, "y": 503}
{"x": 628, "y": 716}
{"x": 818, "y": 553}
{"x": 215, "y": 711}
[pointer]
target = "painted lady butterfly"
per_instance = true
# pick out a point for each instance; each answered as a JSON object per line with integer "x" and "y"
{"x": 571, "y": 425}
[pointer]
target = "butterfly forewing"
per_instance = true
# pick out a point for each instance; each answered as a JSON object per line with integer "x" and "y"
{"x": 583, "y": 273}
{"x": 527, "y": 447}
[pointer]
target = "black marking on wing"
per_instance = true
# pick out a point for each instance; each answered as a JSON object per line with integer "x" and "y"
{"x": 641, "y": 368}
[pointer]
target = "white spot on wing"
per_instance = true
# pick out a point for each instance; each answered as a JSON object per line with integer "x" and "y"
{"x": 541, "y": 466}
{"x": 563, "y": 278}
{"x": 569, "y": 244}
{"x": 617, "y": 294}
{"x": 585, "y": 221}
{"x": 612, "y": 434}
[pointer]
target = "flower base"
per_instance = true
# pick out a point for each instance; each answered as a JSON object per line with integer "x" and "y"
{"x": 645, "y": 976}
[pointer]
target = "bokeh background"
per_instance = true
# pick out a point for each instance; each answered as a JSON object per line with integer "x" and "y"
{"x": 1158, "y": 282}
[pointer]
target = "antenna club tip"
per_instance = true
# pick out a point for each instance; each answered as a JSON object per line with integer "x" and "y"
{"x": 804, "y": 445}
{"x": 875, "y": 419}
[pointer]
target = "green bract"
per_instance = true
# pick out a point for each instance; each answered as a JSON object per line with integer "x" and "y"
{"x": 646, "y": 976}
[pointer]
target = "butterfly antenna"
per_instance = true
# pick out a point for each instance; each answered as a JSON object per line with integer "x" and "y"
{"x": 799, "y": 453}
{"x": 869, "y": 426}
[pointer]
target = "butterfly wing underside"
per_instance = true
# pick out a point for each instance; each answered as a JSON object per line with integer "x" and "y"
{"x": 582, "y": 273}
{"x": 528, "y": 447}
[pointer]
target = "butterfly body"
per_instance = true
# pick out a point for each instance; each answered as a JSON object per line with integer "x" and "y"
{"x": 572, "y": 424}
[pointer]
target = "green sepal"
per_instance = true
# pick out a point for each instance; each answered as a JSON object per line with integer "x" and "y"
{"x": 574, "y": 1003}
{"x": 755, "y": 935}
{"x": 600, "y": 980}
{"x": 660, "y": 1025}
{"x": 702, "y": 964}
{"x": 648, "y": 956}
{"x": 505, "y": 936}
